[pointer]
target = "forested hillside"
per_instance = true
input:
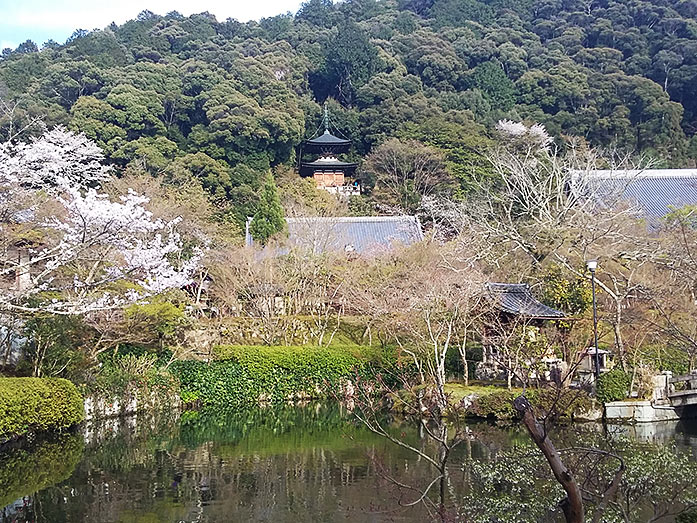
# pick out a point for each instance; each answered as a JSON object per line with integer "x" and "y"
{"x": 222, "y": 101}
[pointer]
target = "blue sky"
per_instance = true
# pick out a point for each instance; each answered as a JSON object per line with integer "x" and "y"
{"x": 41, "y": 20}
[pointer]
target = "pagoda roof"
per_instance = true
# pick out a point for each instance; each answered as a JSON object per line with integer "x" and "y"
{"x": 328, "y": 139}
{"x": 327, "y": 164}
{"x": 517, "y": 299}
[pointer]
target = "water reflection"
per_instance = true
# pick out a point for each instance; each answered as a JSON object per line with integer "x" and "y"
{"x": 281, "y": 464}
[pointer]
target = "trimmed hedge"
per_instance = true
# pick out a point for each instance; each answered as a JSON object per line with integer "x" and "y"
{"x": 249, "y": 374}
{"x": 38, "y": 404}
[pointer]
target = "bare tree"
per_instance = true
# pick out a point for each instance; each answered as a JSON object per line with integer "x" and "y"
{"x": 426, "y": 306}
{"x": 674, "y": 286}
{"x": 405, "y": 172}
{"x": 16, "y": 118}
{"x": 314, "y": 283}
{"x": 247, "y": 283}
{"x": 547, "y": 207}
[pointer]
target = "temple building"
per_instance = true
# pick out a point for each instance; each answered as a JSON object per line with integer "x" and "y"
{"x": 329, "y": 173}
{"x": 513, "y": 307}
{"x": 650, "y": 193}
{"x": 359, "y": 235}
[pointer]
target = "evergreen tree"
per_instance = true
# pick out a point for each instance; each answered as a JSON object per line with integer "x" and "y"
{"x": 350, "y": 62}
{"x": 497, "y": 87}
{"x": 268, "y": 219}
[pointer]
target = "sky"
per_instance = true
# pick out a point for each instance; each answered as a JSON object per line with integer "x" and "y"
{"x": 41, "y": 20}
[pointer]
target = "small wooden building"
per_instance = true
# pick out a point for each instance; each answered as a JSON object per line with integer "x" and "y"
{"x": 513, "y": 306}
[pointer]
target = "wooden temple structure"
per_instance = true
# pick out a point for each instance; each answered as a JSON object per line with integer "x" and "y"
{"x": 328, "y": 171}
{"x": 514, "y": 306}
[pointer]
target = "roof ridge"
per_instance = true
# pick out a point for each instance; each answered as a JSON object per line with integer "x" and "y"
{"x": 405, "y": 217}
{"x": 637, "y": 173}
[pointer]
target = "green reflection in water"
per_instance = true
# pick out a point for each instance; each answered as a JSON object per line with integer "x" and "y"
{"x": 285, "y": 463}
{"x": 281, "y": 464}
{"x": 26, "y": 471}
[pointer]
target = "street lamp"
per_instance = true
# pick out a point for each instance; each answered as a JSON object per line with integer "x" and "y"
{"x": 592, "y": 266}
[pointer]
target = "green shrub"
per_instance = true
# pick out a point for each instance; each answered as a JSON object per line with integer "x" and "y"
{"x": 498, "y": 405}
{"x": 248, "y": 374}
{"x": 561, "y": 404}
{"x": 453, "y": 360}
{"x": 37, "y": 404}
{"x": 133, "y": 369}
{"x": 663, "y": 357}
{"x": 687, "y": 517}
{"x": 613, "y": 386}
{"x": 53, "y": 346}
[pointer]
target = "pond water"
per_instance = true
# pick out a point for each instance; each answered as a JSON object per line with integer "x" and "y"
{"x": 275, "y": 464}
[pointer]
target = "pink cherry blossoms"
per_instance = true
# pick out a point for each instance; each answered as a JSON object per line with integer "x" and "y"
{"x": 88, "y": 251}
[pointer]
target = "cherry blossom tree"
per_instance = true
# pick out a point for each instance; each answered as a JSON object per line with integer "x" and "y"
{"x": 59, "y": 159}
{"x": 68, "y": 248}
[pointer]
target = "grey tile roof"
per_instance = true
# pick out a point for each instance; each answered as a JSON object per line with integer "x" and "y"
{"x": 329, "y": 164}
{"x": 363, "y": 235}
{"x": 652, "y": 191}
{"x": 517, "y": 299}
{"x": 328, "y": 139}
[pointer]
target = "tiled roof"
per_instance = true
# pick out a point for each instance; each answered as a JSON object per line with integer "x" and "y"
{"x": 331, "y": 165}
{"x": 517, "y": 299}
{"x": 328, "y": 139}
{"x": 328, "y": 164}
{"x": 652, "y": 191}
{"x": 363, "y": 235}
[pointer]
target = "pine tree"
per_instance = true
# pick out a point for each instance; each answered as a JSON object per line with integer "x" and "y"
{"x": 268, "y": 219}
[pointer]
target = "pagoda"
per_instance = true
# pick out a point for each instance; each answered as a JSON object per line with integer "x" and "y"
{"x": 328, "y": 171}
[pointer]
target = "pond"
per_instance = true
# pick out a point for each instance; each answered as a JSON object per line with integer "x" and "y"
{"x": 275, "y": 464}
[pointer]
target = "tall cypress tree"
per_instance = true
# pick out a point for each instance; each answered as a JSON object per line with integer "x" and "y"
{"x": 268, "y": 219}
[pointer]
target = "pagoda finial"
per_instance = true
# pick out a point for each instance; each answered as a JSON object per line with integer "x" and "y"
{"x": 325, "y": 118}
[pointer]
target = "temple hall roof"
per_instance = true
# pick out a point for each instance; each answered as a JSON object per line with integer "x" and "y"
{"x": 517, "y": 299}
{"x": 361, "y": 234}
{"x": 652, "y": 192}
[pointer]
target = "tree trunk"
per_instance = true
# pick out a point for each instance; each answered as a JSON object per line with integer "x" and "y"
{"x": 463, "y": 355}
{"x": 509, "y": 375}
{"x": 572, "y": 504}
{"x": 617, "y": 328}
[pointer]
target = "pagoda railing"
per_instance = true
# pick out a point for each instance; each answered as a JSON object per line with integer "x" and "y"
{"x": 343, "y": 190}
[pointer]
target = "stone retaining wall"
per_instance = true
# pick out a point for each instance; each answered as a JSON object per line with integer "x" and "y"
{"x": 97, "y": 407}
{"x": 640, "y": 412}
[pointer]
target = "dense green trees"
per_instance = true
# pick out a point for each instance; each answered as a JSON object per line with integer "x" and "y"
{"x": 159, "y": 89}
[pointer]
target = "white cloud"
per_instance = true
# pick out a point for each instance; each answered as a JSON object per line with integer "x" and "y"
{"x": 5, "y": 43}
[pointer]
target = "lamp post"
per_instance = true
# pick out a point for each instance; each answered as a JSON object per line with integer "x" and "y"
{"x": 592, "y": 266}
